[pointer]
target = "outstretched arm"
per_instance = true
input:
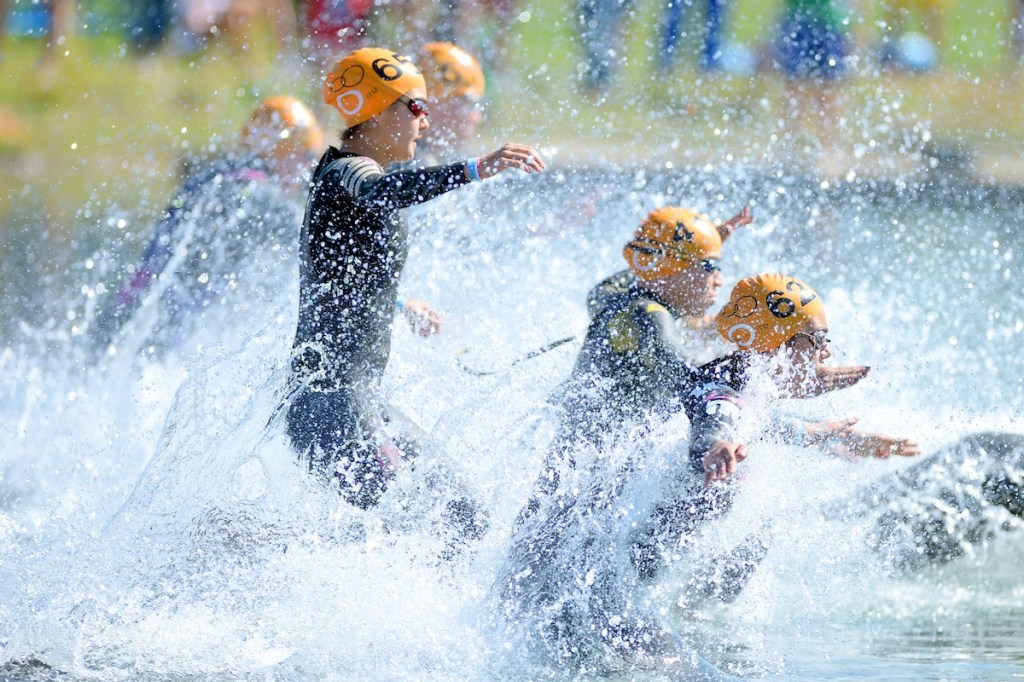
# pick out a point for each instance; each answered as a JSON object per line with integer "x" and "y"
{"x": 366, "y": 180}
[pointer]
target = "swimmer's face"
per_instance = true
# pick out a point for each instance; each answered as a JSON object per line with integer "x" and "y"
{"x": 403, "y": 127}
{"x": 804, "y": 354}
{"x": 810, "y": 342}
{"x": 692, "y": 291}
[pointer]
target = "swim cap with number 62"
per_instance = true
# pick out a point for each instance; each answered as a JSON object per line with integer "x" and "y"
{"x": 767, "y": 310}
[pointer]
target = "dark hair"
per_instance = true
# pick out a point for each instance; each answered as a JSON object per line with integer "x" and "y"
{"x": 349, "y": 133}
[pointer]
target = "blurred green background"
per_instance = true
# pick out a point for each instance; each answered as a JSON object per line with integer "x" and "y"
{"x": 94, "y": 131}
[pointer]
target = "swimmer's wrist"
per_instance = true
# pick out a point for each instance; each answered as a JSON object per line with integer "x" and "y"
{"x": 399, "y": 306}
{"x": 473, "y": 169}
{"x": 799, "y": 432}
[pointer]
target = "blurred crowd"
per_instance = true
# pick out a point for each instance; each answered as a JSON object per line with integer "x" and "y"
{"x": 813, "y": 36}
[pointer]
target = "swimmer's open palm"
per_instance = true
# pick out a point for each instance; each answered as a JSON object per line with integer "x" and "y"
{"x": 881, "y": 447}
{"x": 827, "y": 378}
{"x": 511, "y": 155}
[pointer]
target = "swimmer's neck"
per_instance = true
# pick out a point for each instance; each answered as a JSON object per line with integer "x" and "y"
{"x": 361, "y": 147}
{"x": 369, "y": 145}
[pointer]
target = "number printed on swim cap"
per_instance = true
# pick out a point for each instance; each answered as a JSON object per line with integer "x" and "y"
{"x": 742, "y": 335}
{"x": 350, "y": 95}
{"x": 766, "y": 310}
{"x": 779, "y": 304}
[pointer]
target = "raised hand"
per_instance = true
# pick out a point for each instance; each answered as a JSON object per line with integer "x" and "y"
{"x": 744, "y": 217}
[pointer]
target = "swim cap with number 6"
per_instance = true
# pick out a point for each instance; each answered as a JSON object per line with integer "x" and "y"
{"x": 368, "y": 81}
{"x": 766, "y": 310}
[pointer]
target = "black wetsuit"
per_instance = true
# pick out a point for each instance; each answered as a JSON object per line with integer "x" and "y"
{"x": 581, "y": 550}
{"x": 634, "y": 365}
{"x": 353, "y": 248}
{"x": 571, "y": 584}
{"x": 947, "y": 504}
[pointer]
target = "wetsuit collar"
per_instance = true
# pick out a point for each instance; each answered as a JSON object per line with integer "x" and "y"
{"x": 635, "y": 286}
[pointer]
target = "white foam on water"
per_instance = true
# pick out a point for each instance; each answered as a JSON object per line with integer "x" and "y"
{"x": 155, "y": 522}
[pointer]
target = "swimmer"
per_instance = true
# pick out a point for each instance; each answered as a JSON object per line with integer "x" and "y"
{"x": 647, "y": 332}
{"x": 196, "y": 251}
{"x": 353, "y": 248}
{"x": 456, "y": 85}
{"x": 779, "y": 327}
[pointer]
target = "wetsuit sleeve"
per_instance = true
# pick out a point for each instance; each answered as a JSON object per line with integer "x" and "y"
{"x": 714, "y": 411}
{"x": 364, "y": 179}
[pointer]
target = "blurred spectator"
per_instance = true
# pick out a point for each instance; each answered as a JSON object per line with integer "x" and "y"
{"x": 53, "y": 18}
{"x": 601, "y": 21}
{"x": 711, "y": 52}
{"x": 906, "y": 46}
{"x": 148, "y": 24}
{"x": 811, "y": 50}
{"x": 5, "y": 10}
{"x": 1017, "y": 32}
{"x": 337, "y": 26}
{"x": 61, "y": 20}
{"x": 483, "y": 24}
{"x": 237, "y": 20}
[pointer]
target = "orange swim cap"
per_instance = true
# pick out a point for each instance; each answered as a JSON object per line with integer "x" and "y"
{"x": 283, "y": 126}
{"x": 765, "y": 311}
{"x": 368, "y": 81}
{"x": 451, "y": 72}
{"x": 670, "y": 239}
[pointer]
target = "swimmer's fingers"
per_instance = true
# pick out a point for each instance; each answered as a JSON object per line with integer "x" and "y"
{"x": 744, "y": 217}
{"x": 902, "y": 447}
{"x": 511, "y": 155}
{"x": 883, "y": 447}
{"x": 721, "y": 460}
{"x": 422, "y": 317}
{"x": 828, "y": 428}
{"x": 836, "y": 378}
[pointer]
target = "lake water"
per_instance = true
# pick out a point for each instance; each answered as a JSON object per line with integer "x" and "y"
{"x": 154, "y": 523}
